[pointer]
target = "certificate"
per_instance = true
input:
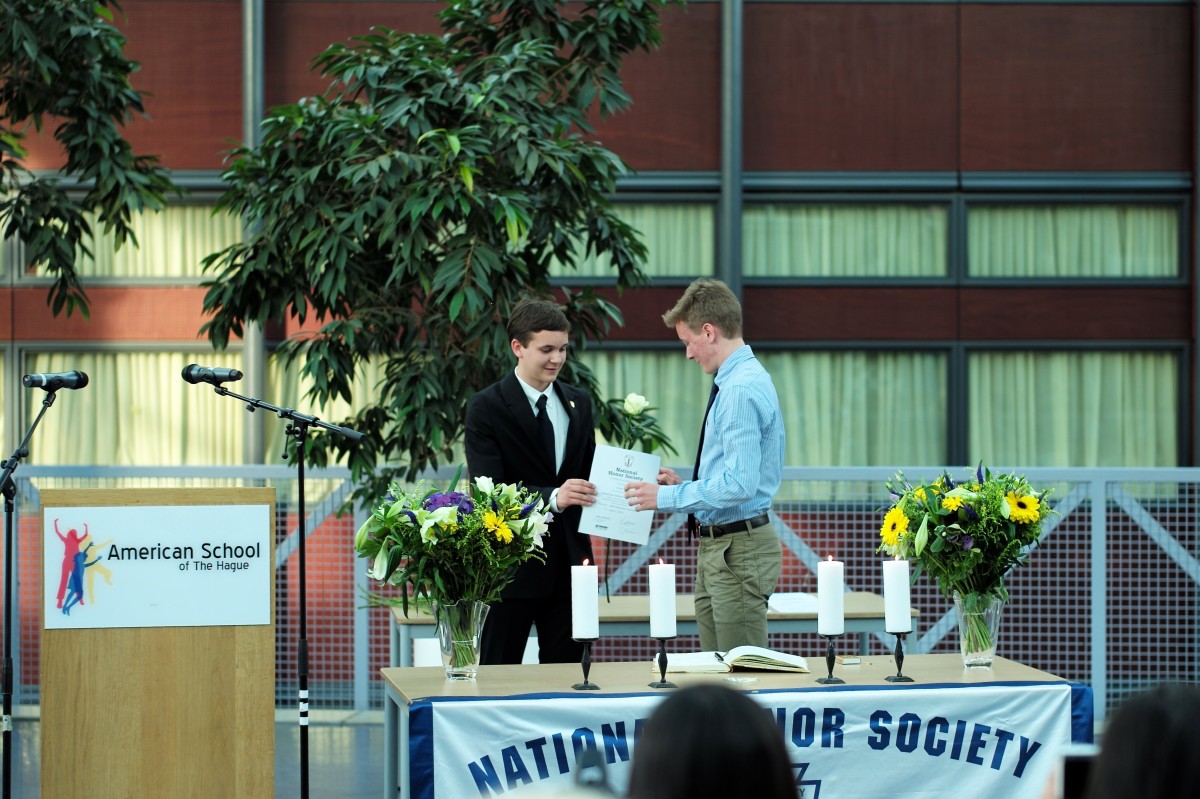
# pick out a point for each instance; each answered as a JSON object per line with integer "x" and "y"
{"x": 611, "y": 516}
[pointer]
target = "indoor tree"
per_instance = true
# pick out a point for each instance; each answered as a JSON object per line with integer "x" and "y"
{"x": 62, "y": 62}
{"x": 411, "y": 205}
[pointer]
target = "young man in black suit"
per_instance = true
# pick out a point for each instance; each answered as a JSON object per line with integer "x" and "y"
{"x": 507, "y": 440}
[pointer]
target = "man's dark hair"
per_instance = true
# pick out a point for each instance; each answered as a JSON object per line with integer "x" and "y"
{"x": 530, "y": 316}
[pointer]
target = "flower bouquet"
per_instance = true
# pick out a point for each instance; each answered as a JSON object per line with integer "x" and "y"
{"x": 968, "y": 536}
{"x": 457, "y": 549}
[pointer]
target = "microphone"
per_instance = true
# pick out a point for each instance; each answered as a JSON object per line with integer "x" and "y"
{"x": 202, "y": 374}
{"x": 53, "y": 381}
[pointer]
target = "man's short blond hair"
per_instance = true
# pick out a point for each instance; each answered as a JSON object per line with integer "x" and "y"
{"x": 707, "y": 301}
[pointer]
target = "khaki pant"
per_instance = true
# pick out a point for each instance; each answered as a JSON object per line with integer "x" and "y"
{"x": 735, "y": 575}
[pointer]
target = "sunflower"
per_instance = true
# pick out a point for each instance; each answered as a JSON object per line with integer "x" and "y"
{"x": 895, "y": 524}
{"x": 1023, "y": 509}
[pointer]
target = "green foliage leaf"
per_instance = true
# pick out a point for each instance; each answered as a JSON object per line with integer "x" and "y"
{"x": 422, "y": 195}
{"x": 65, "y": 61}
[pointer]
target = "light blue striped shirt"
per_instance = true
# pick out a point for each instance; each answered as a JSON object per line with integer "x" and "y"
{"x": 741, "y": 466}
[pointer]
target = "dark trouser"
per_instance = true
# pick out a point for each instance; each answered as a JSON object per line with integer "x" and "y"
{"x": 507, "y": 630}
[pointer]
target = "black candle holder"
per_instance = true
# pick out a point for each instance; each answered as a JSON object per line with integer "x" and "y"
{"x": 830, "y": 657}
{"x": 899, "y": 660}
{"x": 662, "y": 665}
{"x": 586, "y": 685}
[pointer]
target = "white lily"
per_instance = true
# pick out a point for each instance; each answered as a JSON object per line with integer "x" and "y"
{"x": 360, "y": 537}
{"x": 379, "y": 567}
{"x": 437, "y": 518}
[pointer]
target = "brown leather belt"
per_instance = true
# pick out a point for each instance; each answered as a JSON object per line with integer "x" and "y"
{"x": 743, "y": 526}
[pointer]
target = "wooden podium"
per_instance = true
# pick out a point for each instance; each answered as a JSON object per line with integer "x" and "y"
{"x": 182, "y": 711}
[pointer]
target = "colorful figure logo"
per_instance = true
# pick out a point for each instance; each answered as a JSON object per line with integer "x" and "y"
{"x": 75, "y": 566}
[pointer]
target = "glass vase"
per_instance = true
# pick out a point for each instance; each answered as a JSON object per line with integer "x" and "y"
{"x": 978, "y": 626}
{"x": 459, "y": 626}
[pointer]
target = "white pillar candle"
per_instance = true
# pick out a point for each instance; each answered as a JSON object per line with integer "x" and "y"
{"x": 662, "y": 600}
{"x": 585, "y": 602}
{"x": 897, "y": 599}
{"x": 831, "y": 597}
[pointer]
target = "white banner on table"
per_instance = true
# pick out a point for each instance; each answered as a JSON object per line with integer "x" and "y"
{"x": 611, "y": 516}
{"x": 977, "y": 740}
{"x": 162, "y": 566}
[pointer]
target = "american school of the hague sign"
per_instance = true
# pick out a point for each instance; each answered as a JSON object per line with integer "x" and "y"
{"x": 168, "y": 566}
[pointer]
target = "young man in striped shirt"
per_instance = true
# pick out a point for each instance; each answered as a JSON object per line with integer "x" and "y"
{"x": 739, "y": 466}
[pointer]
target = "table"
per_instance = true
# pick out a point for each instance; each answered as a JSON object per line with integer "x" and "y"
{"x": 983, "y": 733}
{"x": 629, "y": 614}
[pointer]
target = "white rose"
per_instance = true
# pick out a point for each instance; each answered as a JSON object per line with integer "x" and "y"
{"x": 635, "y": 404}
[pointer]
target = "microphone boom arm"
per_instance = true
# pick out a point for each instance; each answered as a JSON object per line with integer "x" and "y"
{"x": 291, "y": 415}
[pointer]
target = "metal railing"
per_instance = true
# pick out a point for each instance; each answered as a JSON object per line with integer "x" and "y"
{"x": 1109, "y": 598}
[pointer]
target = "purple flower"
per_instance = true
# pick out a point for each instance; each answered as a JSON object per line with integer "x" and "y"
{"x": 411, "y": 516}
{"x": 439, "y": 499}
{"x": 389, "y": 497}
{"x": 466, "y": 506}
{"x": 526, "y": 510}
{"x": 971, "y": 514}
{"x": 967, "y": 542}
{"x": 979, "y": 474}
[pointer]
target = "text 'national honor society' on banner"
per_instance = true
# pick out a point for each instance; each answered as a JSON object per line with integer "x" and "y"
{"x": 156, "y": 566}
{"x": 978, "y": 740}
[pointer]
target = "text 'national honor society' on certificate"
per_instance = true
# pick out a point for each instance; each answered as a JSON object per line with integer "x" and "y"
{"x": 611, "y": 516}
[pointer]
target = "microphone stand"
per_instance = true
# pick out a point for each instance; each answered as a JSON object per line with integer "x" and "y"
{"x": 9, "y": 488}
{"x": 298, "y": 425}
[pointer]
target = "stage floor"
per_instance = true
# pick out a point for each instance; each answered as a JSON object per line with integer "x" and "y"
{"x": 345, "y": 756}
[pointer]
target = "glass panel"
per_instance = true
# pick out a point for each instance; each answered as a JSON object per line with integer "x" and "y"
{"x": 845, "y": 240}
{"x": 170, "y": 244}
{"x": 1073, "y": 241}
{"x": 136, "y": 410}
{"x": 679, "y": 239}
{"x": 1073, "y": 408}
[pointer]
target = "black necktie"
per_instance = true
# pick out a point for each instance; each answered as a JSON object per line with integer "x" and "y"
{"x": 693, "y": 529}
{"x": 546, "y": 430}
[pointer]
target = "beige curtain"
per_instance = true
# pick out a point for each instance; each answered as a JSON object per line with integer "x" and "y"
{"x": 676, "y": 388}
{"x": 135, "y": 411}
{"x": 839, "y": 408}
{"x": 1113, "y": 241}
{"x": 679, "y": 240}
{"x": 845, "y": 240}
{"x": 861, "y": 408}
{"x": 287, "y": 388}
{"x": 1073, "y": 408}
{"x": 170, "y": 244}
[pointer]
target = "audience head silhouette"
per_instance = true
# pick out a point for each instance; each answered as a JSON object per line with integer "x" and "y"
{"x": 711, "y": 741}
{"x": 1150, "y": 749}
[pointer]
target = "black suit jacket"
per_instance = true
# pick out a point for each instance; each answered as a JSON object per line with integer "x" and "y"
{"x": 502, "y": 443}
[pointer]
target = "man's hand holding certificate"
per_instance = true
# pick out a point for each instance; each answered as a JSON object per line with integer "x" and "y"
{"x": 611, "y": 515}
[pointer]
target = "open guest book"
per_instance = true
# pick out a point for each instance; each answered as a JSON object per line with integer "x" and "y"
{"x": 751, "y": 658}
